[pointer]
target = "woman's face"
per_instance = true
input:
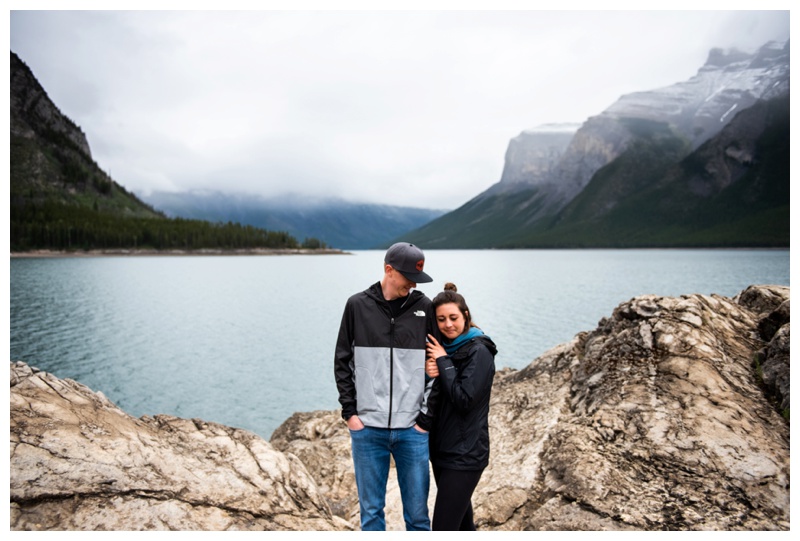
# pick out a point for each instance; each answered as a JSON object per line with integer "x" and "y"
{"x": 450, "y": 320}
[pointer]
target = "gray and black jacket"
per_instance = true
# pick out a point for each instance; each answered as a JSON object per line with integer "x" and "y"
{"x": 380, "y": 360}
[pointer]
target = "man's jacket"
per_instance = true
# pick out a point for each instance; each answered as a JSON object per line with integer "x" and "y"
{"x": 380, "y": 360}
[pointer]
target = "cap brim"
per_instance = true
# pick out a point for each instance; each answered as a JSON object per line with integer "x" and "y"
{"x": 417, "y": 277}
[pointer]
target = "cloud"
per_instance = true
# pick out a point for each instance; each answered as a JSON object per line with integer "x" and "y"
{"x": 398, "y": 107}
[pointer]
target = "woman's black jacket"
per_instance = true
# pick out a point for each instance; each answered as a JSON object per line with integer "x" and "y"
{"x": 459, "y": 439}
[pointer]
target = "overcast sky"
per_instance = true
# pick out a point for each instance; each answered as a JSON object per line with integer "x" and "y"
{"x": 413, "y": 108}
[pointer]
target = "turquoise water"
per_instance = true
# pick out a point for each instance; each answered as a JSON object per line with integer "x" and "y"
{"x": 248, "y": 340}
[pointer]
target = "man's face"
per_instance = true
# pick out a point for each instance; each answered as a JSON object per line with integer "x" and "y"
{"x": 397, "y": 285}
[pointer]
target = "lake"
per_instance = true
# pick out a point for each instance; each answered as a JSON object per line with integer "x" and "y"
{"x": 248, "y": 340}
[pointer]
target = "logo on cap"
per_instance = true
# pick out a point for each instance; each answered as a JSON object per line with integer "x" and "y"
{"x": 420, "y": 264}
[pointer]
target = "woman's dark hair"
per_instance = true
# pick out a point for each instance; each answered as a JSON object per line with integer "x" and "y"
{"x": 451, "y": 295}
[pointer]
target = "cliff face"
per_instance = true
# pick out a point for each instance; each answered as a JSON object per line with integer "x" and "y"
{"x": 33, "y": 112}
{"x": 667, "y": 416}
{"x": 532, "y": 171}
{"x": 532, "y": 156}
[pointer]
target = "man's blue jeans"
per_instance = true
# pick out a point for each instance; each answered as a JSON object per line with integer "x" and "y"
{"x": 372, "y": 448}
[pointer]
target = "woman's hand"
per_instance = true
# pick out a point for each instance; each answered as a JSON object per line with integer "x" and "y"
{"x": 435, "y": 350}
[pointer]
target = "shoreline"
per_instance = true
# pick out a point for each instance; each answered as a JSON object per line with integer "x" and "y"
{"x": 138, "y": 252}
{"x": 201, "y": 252}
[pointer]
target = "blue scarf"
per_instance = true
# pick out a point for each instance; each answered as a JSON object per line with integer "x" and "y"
{"x": 461, "y": 339}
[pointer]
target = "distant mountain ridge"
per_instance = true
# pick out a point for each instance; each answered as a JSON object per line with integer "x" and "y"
{"x": 649, "y": 147}
{"x": 338, "y": 223}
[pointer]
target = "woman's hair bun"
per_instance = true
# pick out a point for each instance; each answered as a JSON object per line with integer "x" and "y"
{"x": 450, "y": 286}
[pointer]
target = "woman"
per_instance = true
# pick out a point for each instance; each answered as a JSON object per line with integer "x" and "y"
{"x": 459, "y": 439}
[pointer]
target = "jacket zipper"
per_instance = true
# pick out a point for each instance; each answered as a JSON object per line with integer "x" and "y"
{"x": 391, "y": 368}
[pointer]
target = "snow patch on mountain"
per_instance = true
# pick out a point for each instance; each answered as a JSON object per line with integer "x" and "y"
{"x": 700, "y": 106}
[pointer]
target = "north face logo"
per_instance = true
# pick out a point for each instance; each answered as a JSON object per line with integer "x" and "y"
{"x": 420, "y": 313}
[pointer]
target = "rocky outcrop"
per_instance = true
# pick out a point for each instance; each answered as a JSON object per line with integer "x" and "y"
{"x": 671, "y": 415}
{"x": 656, "y": 420}
{"x": 772, "y": 361}
{"x": 80, "y": 463}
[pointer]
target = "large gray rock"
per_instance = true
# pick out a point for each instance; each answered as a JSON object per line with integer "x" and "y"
{"x": 662, "y": 418}
{"x": 80, "y": 463}
{"x": 772, "y": 306}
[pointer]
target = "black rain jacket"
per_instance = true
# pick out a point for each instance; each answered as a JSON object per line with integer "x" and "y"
{"x": 459, "y": 439}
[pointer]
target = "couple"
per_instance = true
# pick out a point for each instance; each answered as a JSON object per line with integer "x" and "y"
{"x": 414, "y": 379}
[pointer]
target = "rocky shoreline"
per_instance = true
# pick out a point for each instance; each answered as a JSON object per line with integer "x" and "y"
{"x": 673, "y": 414}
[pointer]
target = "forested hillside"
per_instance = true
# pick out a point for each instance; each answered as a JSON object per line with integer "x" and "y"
{"x": 61, "y": 199}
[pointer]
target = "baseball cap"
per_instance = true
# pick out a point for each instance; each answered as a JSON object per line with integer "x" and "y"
{"x": 408, "y": 260}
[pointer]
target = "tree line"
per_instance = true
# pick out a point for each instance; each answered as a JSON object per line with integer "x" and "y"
{"x": 59, "y": 226}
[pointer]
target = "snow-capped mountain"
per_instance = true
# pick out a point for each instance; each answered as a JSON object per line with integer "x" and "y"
{"x": 555, "y": 182}
{"x": 729, "y": 82}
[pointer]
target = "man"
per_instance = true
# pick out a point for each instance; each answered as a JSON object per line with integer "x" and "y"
{"x": 380, "y": 372}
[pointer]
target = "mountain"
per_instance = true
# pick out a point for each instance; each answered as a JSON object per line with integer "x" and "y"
{"x": 61, "y": 199}
{"x": 733, "y": 191}
{"x": 342, "y": 224}
{"x": 703, "y": 162}
{"x": 50, "y": 155}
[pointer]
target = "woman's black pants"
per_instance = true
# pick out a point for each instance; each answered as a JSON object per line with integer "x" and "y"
{"x": 453, "y": 508}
